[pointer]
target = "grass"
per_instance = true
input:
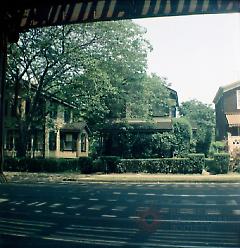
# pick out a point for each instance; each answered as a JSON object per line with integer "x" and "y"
{"x": 24, "y": 177}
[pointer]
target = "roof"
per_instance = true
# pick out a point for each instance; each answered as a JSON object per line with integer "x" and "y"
{"x": 52, "y": 96}
{"x": 138, "y": 125}
{"x": 224, "y": 89}
{"x": 75, "y": 127}
{"x": 233, "y": 120}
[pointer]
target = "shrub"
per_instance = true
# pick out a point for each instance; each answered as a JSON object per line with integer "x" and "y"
{"x": 222, "y": 161}
{"x": 210, "y": 165}
{"x": 235, "y": 161}
{"x": 85, "y": 164}
{"x": 165, "y": 165}
{"x": 48, "y": 165}
{"x": 110, "y": 163}
{"x": 197, "y": 163}
{"x": 183, "y": 134}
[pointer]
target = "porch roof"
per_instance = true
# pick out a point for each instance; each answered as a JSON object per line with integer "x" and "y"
{"x": 233, "y": 120}
{"x": 75, "y": 127}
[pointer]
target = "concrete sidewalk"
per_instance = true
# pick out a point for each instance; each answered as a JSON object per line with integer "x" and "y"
{"x": 24, "y": 177}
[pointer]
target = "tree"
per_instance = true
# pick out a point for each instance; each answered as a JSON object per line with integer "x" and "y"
{"x": 148, "y": 97}
{"x": 164, "y": 144}
{"x": 202, "y": 117}
{"x": 84, "y": 64}
{"x": 182, "y": 131}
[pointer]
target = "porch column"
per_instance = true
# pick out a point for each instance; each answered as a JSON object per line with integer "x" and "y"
{"x": 58, "y": 143}
{"x": 46, "y": 143}
{"x": 78, "y": 145}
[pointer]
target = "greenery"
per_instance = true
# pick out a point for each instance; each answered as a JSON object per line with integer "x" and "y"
{"x": 219, "y": 164}
{"x": 165, "y": 165}
{"x": 202, "y": 117}
{"x": 182, "y": 131}
{"x": 83, "y": 165}
{"x": 235, "y": 161}
{"x": 89, "y": 65}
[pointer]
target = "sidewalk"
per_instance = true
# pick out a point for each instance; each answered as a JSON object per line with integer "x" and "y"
{"x": 24, "y": 177}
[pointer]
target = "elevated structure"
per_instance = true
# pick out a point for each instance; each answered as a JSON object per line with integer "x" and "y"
{"x": 19, "y": 16}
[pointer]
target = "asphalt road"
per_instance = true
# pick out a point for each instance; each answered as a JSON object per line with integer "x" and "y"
{"x": 120, "y": 215}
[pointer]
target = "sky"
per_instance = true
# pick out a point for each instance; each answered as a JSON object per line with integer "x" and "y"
{"x": 197, "y": 54}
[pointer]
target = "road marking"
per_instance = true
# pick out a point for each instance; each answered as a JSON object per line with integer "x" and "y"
{"x": 57, "y": 212}
{"x": 212, "y": 212}
{"x": 32, "y": 203}
{"x": 151, "y": 194}
{"x": 108, "y": 216}
{"x": 38, "y": 211}
{"x": 174, "y": 195}
{"x": 41, "y": 204}
{"x": 119, "y": 208}
{"x": 93, "y": 199}
{"x": 116, "y": 193}
{"x": 132, "y": 193}
{"x": 3, "y": 200}
{"x": 232, "y": 202}
{"x": 186, "y": 211}
{"x": 97, "y": 207}
{"x": 75, "y": 206}
{"x": 236, "y": 211}
{"x": 55, "y": 205}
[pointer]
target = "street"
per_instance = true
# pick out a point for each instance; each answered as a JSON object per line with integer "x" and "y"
{"x": 120, "y": 215}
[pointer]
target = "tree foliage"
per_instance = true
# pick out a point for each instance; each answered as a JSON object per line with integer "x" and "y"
{"x": 202, "y": 117}
{"x": 84, "y": 64}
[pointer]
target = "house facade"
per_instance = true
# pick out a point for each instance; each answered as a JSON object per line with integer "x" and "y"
{"x": 161, "y": 120}
{"x": 55, "y": 133}
{"x": 227, "y": 108}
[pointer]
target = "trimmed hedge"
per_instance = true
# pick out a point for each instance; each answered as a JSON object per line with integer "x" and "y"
{"x": 106, "y": 164}
{"x": 193, "y": 164}
{"x": 219, "y": 164}
{"x": 222, "y": 161}
{"x": 164, "y": 165}
{"x": 83, "y": 165}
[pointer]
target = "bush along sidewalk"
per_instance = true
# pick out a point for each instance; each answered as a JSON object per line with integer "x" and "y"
{"x": 192, "y": 164}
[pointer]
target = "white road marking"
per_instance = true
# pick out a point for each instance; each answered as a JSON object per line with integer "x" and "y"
{"x": 108, "y": 216}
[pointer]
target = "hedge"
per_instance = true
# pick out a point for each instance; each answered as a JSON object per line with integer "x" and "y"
{"x": 222, "y": 161}
{"x": 219, "y": 164}
{"x": 193, "y": 164}
{"x": 164, "y": 165}
{"x": 83, "y": 165}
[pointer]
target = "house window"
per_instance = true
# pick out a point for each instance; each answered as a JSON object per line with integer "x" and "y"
{"x": 68, "y": 142}
{"x": 38, "y": 141}
{"x": 67, "y": 116}
{"x": 238, "y": 99}
{"x": 83, "y": 142}
{"x": 52, "y": 141}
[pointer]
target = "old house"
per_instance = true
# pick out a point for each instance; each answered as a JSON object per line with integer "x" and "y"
{"x": 161, "y": 120}
{"x": 227, "y": 108}
{"x": 55, "y": 133}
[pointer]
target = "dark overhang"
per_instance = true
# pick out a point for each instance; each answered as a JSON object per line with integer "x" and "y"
{"x": 27, "y": 14}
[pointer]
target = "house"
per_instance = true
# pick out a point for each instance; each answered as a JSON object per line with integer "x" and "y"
{"x": 55, "y": 133}
{"x": 161, "y": 120}
{"x": 227, "y": 108}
